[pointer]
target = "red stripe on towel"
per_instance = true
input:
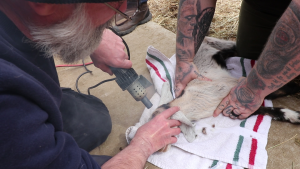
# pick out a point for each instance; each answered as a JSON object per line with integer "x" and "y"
{"x": 156, "y": 70}
{"x": 259, "y": 119}
{"x": 229, "y": 166}
{"x": 252, "y": 155}
{"x": 253, "y": 152}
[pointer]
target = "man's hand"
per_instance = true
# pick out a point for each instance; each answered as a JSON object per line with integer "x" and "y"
{"x": 240, "y": 103}
{"x": 157, "y": 133}
{"x": 110, "y": 53}
{"x": 148, "y": 139}
{"x": 186, "y": 72}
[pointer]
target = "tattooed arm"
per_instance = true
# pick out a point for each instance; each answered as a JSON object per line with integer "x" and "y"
{"x": 278, "y": 64}
{"x": 194, "y": 18}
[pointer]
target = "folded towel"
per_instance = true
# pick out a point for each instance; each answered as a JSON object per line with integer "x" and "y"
{"x": 221, "y": 142}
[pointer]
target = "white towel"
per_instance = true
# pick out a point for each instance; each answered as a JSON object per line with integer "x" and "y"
{"x": 227, "y": 143}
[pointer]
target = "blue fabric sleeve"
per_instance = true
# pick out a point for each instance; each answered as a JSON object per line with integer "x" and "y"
{"x": 31, "y": 133}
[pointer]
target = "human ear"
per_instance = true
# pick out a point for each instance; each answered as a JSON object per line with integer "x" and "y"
{"x": 42, "y": 9}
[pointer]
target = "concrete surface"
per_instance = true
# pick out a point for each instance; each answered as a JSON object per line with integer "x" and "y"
{"x": 125, "y": 111}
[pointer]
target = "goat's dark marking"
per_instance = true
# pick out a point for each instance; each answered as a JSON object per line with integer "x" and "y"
{"x": 165, "y": 106}
{"x": 155, "y": 113}
{"x": 160, "y": 109}
{"x": 204, "y": 130}
{"x": 221, "y": 56}
{"x": 213, "y": 126}
{"x": 274, "y": 112}
{"x": 181, "y": 94}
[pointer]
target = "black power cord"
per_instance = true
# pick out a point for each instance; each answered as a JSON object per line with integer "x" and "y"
{"x": 89, "y": 71}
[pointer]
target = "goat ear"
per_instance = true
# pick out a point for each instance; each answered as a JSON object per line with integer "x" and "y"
{"x": 42, "y": 9}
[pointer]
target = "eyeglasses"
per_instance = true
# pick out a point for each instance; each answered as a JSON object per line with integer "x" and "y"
{"x": 120, "y": 17}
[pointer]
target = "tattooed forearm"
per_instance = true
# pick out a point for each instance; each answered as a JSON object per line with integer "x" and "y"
{"x": 203, "y": 19}
{"x": 184, "y": 54}
{"x": 193, "y": 23}
{"x": 282, "y": 46}
{"x": 185, "y": 26}
{"x": 194, "y": 17}
{"x": 279, "y": 62}
{"x": 270, "y": 64}
{"x": 255, "y": 82}
{"x": 182, "y": 72}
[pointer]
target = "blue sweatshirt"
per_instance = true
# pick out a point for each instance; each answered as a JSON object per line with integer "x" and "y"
{"x": 31, "y": 126}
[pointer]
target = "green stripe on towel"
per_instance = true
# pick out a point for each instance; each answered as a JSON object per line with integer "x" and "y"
{"x": 238, "y": 149}
{"x": 243, "y": 123}
{"x": 215, "y": 162}
{"x": 165, "y": 68}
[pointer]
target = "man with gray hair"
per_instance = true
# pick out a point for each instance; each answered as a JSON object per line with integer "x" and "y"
{"x": 42, "y": 126}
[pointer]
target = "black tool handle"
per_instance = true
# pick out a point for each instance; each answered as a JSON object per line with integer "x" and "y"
{"x": 125, "y": 77}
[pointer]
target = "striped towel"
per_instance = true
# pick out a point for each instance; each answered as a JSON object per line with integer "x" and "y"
{"x": 225, "y": 144}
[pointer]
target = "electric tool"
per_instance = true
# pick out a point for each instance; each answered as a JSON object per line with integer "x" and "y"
{"x": 136, "y": 85}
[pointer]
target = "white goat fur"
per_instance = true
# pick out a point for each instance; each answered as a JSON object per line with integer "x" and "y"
{"x": 201, "y": 98}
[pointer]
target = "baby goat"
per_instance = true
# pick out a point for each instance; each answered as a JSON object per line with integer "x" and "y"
{"x": 200, "y": 98}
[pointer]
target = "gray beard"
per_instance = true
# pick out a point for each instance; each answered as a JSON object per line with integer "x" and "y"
{"x": 71, "y": 40}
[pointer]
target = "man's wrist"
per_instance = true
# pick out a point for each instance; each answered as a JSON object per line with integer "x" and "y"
{"x": 142, "y": 147}
{"x": 261, "y": 93}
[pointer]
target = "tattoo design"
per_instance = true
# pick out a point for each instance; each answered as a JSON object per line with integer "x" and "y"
{"x": 203, "y": 22}
{"x": 294, "y": 63}
{"x": 271, "y": 64}
{"x": 181, "y": 74}
{"x": 286, "y": 71}
{"x": 198, "y": 74}
{"x": 228, "y": 109}
{"x": 245, "y": 96}
{"x": 275, "y": 81}
{"x": 281, "y": 78}
{"x": 183, "y": 55}
{"x": 254, "y": 82}
{"x": 186, "y": 26}
{"x": 291, "y": 76}
{"x": 193, "y": 23}
{"x": 273, "y": 86}
{"x": 237, "y": 106}
{"x": 282, "y": 47}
